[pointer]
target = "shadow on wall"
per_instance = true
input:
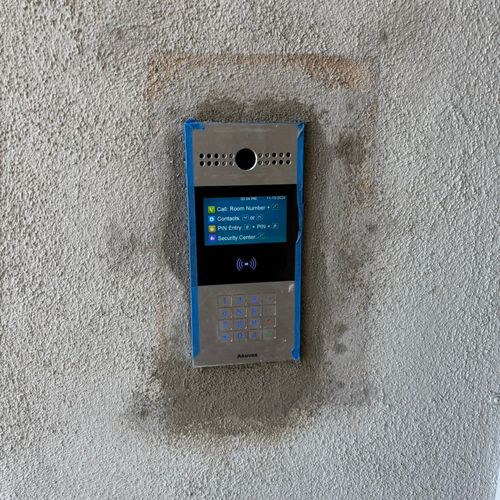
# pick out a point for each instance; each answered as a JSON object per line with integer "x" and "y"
{"x": 338, "y": 196}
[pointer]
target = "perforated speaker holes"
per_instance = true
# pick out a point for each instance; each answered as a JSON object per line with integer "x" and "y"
{"x": 272, "y": 158}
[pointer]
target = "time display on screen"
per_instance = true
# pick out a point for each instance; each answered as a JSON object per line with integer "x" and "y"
{"x": 244, "y": 220}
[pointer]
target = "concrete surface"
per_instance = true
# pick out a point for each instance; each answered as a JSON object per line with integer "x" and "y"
{"x": 394, "y": 398}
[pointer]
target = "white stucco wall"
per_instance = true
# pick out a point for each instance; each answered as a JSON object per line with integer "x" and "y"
{"x": 394, "y": 396}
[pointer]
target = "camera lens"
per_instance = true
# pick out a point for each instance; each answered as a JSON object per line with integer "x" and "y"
{"x": 245, "y": 159}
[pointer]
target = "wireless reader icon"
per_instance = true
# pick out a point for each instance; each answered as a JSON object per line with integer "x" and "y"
{"x": 246, "y": 264}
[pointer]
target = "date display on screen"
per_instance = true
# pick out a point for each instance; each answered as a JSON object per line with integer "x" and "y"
{"x": 244, "y": 220}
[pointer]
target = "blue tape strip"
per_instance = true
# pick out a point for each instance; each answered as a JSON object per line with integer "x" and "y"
{"x": 189, "y": 126}
{"x": 249, "y": 122}
{"x": 298, "y": 242}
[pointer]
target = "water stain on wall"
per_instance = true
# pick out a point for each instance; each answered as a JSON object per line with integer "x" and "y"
{"x": 120, "y": 243}
{"x": 268, "y": 398}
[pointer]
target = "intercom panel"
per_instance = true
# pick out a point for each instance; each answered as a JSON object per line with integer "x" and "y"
{"x": 245, "y": 217}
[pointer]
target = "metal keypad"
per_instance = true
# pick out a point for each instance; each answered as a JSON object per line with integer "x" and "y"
{"x": 246, "y": 317}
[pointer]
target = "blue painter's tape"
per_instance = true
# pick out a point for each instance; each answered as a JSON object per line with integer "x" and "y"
{"x": 298, "y": 242}
{"x": 189, "y": 126}
{"x": 193, "y": 124}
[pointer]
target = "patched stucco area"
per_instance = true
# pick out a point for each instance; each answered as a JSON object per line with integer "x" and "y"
{"x": 395, "y": 395}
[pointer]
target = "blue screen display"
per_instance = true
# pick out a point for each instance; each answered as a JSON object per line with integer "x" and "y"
{"x": 244, "y": 220}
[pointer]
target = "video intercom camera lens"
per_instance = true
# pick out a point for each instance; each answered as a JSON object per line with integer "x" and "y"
{"x": 245, "y": 213}
{"x": 245, "y": 159}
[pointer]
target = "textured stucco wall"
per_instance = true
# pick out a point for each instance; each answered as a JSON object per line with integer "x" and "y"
{"x": 394, "y": 396}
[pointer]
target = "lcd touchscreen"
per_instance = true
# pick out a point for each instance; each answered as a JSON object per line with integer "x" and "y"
{"x": 244, "y": 220}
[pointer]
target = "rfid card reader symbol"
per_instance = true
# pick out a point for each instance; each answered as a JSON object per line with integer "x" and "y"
{"x": 246, "y": 264}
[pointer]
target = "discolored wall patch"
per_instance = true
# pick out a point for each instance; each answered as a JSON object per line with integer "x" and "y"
{"x": 339, "y": 197}
{"x": 333, "y": 72}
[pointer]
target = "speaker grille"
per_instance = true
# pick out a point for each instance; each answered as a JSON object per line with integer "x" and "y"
{"x": 273, "y": 158}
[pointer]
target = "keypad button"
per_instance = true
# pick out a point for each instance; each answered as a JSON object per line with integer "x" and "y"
{"x": 239, "y": 312}
{"x": 254, "y": 311}
{"x": 224, "y": 300}
{"x": 239, "y": 335}
{"x": 253, "y": 300}
{"x": 225, "y": 313}
{"x": 240, "y": 324}
{"x": 269, "y": 298}
{"x": 269, "y": 322}
{"x": 269, "y": 333}
{"x": 225, "y": 337}
{"x": 238, "y": 300}
{"x": 254, "y": 323}
{"x": 225, "y": 325}
{"x": 269, "y": 310}
{"x": 255, "y": 334}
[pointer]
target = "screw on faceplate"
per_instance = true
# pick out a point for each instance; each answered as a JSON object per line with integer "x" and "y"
{"x": 495, "y": 399}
